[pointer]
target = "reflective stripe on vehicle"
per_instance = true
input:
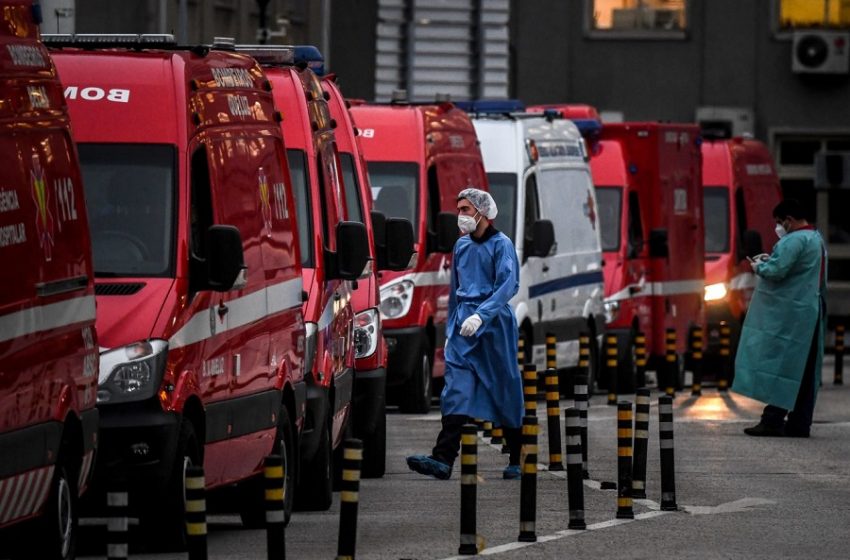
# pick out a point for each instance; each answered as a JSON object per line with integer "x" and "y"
{"x": 24, "y": 494}
{"x": 565, "y": 283}
{"x": 46, "y": 317}
{"x": 672, "y": 288}
{"x": 241, "y": 311}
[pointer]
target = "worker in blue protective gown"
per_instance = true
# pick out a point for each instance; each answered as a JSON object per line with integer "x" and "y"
{"x": 481, "y": 379}
{"x": 781, "y": 349}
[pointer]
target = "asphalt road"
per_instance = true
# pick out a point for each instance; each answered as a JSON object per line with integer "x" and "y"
{"x": 739, "y": 497}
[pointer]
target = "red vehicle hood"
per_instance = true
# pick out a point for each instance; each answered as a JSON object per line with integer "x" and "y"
{"x": 366, "y": 294}
{"x": 122, "y": 319}
{"x": 612, "y": 273}
{"x": 717, "y": 271}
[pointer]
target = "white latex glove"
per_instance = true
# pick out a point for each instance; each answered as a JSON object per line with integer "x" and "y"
{"x": 471, "y": 325}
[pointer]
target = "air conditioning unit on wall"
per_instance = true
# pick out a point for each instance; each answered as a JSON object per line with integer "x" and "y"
{"x": 820, "y": 52}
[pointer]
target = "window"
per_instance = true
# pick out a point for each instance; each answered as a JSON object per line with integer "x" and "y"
{"x": 808, "y": 14}
{"x": 532, "y": 212}
{"x": 297, "y": 160}
{"x": 395, "y": 189}
{"x": 716, "y": 211}
{"x": 130, "y": 198}
{"x": 636, "y": 18}
{"x": 503, "y": 188}
{"x": 352, "y": 188}
{"x": 609, "y": 200}
{"x": 635, "y": 226}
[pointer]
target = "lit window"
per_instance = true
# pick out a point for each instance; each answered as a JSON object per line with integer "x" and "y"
{"x": 638, "y": 15}
{"x": 802, "y": 14}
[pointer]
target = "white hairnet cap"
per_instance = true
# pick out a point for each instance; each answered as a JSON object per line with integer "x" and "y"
{"x": 482, "y": 201}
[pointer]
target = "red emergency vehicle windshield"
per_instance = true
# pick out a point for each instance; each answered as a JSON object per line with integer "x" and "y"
{"x": 395, "y": 189}
{"x": 503, "y": 187}
{"x": 131, "y": 202}
{"x": 716, "y": 208}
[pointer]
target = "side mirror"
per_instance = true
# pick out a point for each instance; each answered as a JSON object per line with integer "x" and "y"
{"x": 752, "y": 243}
{"x": 226, "y": 268}
{"x": 447, "y": 232}
{"x": 542, "y": 239}
{"x": 398, "y": 251}
{"x": 352, "y": 251}
{"x": 658, "y": 245}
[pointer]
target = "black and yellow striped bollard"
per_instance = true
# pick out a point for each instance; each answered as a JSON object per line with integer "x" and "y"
{"x": 274, "y": 477}
{"x": 528, "y": 482}
{"x": 520, "y": 353}
{"x": 468, "y": 490}
{"x": 498, "y": 435}
{"x": 668, "y": 473}
{"x": 488, "y": 430}
{"x": 671, "y": 362}
{"x": 640, "y": 358}
{"x": 551, "y": 351}
{"x": 697, "y": 338}
{"x": 725, "y": 356}
{"x": 349, "y": 498}
{"x": 838, "y": 379}
{"x": 196, "y": 513}
{"x": 553, "y": 413}
{"x": 624, "y": 461}
{"x": 117, "y": 525}
{"x": 611, "y": 367}
{"x": 580, "y": 397}
{"x": 529, "y": 389}
{"x": 575, "y": 486}
{"x": 642, "y": 405}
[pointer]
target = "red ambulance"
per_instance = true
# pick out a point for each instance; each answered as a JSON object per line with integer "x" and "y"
{"x": 392, "y": 249}
{"x": 197, "y": 261}
{"x": 419, "y": 158}
{"x": 647, "y": 179}
{"x": 48, "y": 345}
{"x": 740, "y": 189}
{"x": 314, "y": 164}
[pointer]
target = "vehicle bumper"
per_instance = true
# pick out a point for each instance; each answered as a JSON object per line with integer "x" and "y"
{"x": 137, "y": 443}
{"x": 714, "y": 315}
{"x": 369, "y": 400}
{"x": 404, "y": 347}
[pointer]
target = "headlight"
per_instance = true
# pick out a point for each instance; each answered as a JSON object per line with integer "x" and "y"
{"x": 133, "y": 372}
{"x": 366, "y": 333}
{"x": 713, "y": 292}
{"x": 611, "y": 310}
{"x": 396, "y": 299}
{"x": 311, "y": 331}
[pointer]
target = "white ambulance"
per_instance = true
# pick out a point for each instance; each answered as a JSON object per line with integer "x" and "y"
{"x": 539, "y": 175}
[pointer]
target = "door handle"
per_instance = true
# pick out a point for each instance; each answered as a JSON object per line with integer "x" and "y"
{"x": 545, "y": 268}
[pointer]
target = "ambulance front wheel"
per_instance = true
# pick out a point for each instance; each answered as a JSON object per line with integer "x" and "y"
{"x": 54, "y": 535}
{"x": 416, "y": 394}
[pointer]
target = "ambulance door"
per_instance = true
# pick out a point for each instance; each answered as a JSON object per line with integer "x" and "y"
{"x": 536, "y": 267}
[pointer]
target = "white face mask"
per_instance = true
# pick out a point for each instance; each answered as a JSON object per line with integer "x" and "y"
{"x": 780, "y": 231}
{"x": 467, "y": 224}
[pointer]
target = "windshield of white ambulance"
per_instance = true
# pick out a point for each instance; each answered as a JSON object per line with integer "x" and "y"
{"x": 130, "y": 197}
{"x": 503, "y": 188}
{"x": 395, "y": 188}
{"x": 716, "y": 209}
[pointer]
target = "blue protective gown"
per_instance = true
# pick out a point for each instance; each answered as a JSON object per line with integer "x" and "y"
{"x": 482, "y": 378}
{"x": 785, "y": 313}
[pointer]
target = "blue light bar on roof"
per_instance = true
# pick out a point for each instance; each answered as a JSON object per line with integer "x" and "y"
{"x": 312, "y": 56}
{"x": 589, "y": 128}
{"x": 492, "y": 106}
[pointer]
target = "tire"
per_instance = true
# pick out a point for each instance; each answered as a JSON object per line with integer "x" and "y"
{"x": 315, "y": 488}
{"x": 163, "y": 519}
{"x": 252, "y": 505}
{"x": 54, "y": 534}
{"x": 375, "y": 449}
{"x": 416, "y": 397}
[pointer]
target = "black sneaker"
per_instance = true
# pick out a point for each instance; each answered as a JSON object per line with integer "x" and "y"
{"x": 763, "y": 430}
